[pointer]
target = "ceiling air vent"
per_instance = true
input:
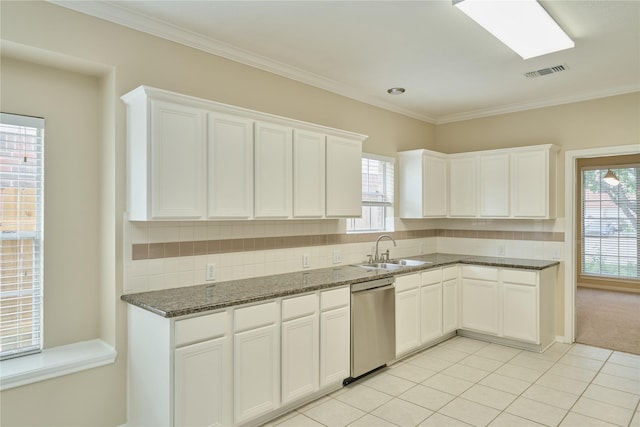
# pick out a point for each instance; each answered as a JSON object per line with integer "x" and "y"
{"x": 545, "y": 71}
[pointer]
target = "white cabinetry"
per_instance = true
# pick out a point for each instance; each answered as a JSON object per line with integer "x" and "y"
{"x": 450, "y": 299}
{"x": 335, "y": 336}
{"x": 423, "y": 184}
{"x": 534, "y": 182}
{"x": 308, "y": 174}
{"x": 167, "y": 165}
{"x": 494, "y": 182}
{"x": 431, "y": 306}
{"x": 230, "y": 160}
{"x": 273, "y": 170}
{"x": 480, "y": 299}
{"x": 508, "y": 303}
{"x": 344, "y": 177}
{"x": 407, "y": 313}
{"x": 463, "y": 185}
{"x": 256, "y": 360}
{"x": 194, "y": 159}
{"x": 300, "y": 347}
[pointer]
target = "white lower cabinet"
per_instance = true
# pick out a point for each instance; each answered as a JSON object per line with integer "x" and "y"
{"x": 450, "y": 300}
{"x": 431, "y": 306}
{"x": 509, "y": 303}
{"x": 335, "y": 336}
{"x": 407, "y": 313}
{"x": 201, "y": 398}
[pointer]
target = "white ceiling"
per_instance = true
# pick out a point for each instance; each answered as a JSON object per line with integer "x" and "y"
{"x": 451, "y": 68}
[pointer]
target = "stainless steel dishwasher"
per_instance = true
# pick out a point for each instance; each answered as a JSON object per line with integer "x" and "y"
{"x": 373, "y": 325}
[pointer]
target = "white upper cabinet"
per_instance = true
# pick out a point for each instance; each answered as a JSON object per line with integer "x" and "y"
{"x": 344, "y": 177}
{"x": 167, "y": 164}
{"x": 506, "y": 183}
{"x": 194, "y": 159}
{"x": 423, "y": 184}
{"x": 230, "y": 159}
{"x": 494, "y": 185}
{"x": 308, "y": 174}
{"x": 463, "y": 185}
{"x": 534, "y": 182}
{"x": 273, "y": 152}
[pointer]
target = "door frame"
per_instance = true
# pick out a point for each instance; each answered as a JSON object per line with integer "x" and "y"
{"x": 571, "y": 198}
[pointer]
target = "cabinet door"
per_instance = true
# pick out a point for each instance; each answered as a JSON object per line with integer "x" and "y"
{"x": 407, "y": 321}
{"x": 201, "y": 397}
{"x": 256, "y": 372}
{"x": 273, "y": 169}
{"x": 335, "y": 346}
{"x": 494, "y": 185}
{"x": 300, "y": 357}
{"x": 431, "y": 312}
{"x": 450, "y": 305}
{"x": 178, "y": 169}
{"x": 434, "y": 199}
{"x": 230, "y": 159}
{"x": 463, "y": 180}
{"x": 480, "y": 305}
{"x": 530, "y": 184}
{"x": 308, "y": 174}
{"x": 520, "y": 312}
{"x": 344, "y": 177}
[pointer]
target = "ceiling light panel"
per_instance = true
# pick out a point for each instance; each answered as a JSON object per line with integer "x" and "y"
{"x": 523, "y": 25}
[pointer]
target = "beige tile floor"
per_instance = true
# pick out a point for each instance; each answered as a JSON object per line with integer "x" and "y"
{"x": 465, "y": 382}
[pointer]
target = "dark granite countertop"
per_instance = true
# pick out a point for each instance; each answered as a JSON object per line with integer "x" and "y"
{"x": 212, "y": 296}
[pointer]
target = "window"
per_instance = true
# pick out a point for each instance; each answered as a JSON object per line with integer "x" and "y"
{"x": 377, "y": 196}
{"x": 21, "y": 194}
{"x": 609, "y": 223}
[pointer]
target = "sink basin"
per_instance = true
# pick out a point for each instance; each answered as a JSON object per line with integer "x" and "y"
{"x": 381, "y": 265}
{"x": 409, "y": 262}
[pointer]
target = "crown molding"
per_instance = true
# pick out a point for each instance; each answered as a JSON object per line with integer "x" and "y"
{"x": 519, "y": 107}
{"x": 117, "y": 14}
{"x": 113, "y": 12}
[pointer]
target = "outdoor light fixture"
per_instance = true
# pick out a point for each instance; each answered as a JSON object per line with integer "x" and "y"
{"x": 611, "y": 178}
{"x": 523, "y": 25}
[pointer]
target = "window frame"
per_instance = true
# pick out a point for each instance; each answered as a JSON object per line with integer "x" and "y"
{"x": 387, "y": 204}
{"x": 24, "y": 177}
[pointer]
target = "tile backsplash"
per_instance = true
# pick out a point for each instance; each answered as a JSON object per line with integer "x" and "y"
{"x": 162, "y": 255}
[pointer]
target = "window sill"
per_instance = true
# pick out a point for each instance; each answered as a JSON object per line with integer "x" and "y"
{"x": 55, "y": 362}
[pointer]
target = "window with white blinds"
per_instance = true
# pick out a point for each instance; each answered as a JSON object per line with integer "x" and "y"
{"x": 609, "y": 223}
{"x": 21, "y": 238}
{"x": 377, "y": 196}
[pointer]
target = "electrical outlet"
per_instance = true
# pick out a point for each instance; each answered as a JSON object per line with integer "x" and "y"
{"x": 337, "y": 257}
{"x": 210, "y": 273}
{"x": 305, "y": 261}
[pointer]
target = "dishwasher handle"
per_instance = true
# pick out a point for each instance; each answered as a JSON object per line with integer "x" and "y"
{"x": 380, "y": 284}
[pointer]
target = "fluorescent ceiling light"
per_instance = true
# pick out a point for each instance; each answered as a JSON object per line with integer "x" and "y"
{"x": 523, "y": 25}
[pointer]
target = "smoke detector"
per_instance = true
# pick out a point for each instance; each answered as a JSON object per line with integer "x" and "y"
{"x": 546, "y": 71}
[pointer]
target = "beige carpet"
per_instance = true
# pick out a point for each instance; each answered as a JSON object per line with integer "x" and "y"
{"x": 608, "y": 319}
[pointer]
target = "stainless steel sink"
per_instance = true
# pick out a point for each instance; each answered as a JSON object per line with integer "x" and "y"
{"x": 409, "y": 262}
{"x": 394, "y": 264}
{"x": 380, "y": 265}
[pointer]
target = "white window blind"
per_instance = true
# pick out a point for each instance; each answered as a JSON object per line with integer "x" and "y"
{"x": 21, "y": 237}
{"x": 377, "y": 196}
{"x": 610, "y": 223}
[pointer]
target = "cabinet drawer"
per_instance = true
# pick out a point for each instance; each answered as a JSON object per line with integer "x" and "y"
{"x": 519, "y": 276}
{"x": 200, "y": 328}
{"x": 432, "y": 276}
{"x": 255, "y": 316}
{"x": 335, "y": 298}
{"x": 449, "y": 273}
{"x": 299, "y": 306}
{"x": 480, "y": 273}
{"x": 410, "y": 281}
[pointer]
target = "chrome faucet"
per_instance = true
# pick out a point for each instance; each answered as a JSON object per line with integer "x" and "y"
{"x": 376, "y": 257}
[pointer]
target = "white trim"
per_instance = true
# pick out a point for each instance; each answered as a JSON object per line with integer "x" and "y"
{"x": 120, "y": 15}
{"x": 55, "y": 362}
{"x": 570, "y": 159}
